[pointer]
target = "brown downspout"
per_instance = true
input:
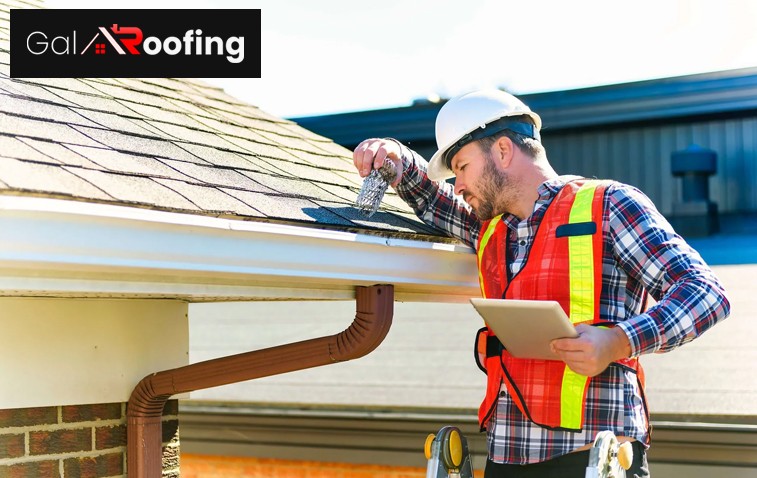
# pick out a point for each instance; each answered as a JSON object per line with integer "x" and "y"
{"x": 374, "y": 310}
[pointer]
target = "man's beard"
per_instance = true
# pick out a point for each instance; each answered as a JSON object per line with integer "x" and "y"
{"x": 490, "y": 187}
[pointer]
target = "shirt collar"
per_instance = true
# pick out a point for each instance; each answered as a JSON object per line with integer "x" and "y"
{"x": 549, "y": 188}
{"x": 547, "y": 191}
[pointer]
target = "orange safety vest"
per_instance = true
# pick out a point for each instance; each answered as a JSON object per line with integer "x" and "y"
{"x": 565, "y": 265}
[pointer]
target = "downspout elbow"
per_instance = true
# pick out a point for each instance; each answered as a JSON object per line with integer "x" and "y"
{"x": 373, "y": 317}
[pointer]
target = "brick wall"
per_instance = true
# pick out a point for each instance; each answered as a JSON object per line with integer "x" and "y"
{"x": 80, "y": 441}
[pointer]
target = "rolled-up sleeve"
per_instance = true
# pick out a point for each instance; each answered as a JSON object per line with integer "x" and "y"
{"x": 435, "y": 203}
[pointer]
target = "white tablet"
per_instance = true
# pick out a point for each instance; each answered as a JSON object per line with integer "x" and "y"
{"x": 526, "y": 327}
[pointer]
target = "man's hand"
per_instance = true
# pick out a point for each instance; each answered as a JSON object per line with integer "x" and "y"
{"x": 371, "y": 154}
{"x": 593, "y": 350}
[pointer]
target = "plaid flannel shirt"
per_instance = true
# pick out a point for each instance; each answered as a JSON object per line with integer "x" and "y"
{"x": 642, "y": 254}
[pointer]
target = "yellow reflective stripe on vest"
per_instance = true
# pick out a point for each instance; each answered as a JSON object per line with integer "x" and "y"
{"x": 581, "y": 257}
{"x": 581, "y": 264}
{"x": 482, "y": 246}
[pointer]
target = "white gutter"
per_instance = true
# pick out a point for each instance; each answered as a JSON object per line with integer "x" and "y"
{"x": 51, "y": 247}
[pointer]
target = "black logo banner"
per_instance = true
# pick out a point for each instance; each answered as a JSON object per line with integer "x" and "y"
{"x": 135, "y": 43}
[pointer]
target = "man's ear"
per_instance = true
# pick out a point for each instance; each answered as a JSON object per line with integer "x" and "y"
{"x": 504, "y": 150}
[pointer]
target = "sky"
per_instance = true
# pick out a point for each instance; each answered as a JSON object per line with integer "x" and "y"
{"x": 332, "y": 56}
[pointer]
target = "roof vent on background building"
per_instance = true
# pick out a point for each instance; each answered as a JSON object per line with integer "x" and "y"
{"x": 695, "y": 215}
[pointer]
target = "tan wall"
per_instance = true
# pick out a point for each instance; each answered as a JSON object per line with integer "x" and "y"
{"x": 66, "y": 351}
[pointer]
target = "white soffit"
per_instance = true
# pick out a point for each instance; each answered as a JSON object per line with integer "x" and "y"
{"x": 51, "y": 247}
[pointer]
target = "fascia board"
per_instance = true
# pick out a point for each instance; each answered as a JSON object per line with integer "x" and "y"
{"x": 52, "y": 247}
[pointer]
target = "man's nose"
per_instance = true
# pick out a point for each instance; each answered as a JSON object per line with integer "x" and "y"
{"x": 459, "y": 186}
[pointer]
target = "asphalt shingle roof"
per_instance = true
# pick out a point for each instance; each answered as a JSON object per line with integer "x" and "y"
{"x": 179, "y": 145}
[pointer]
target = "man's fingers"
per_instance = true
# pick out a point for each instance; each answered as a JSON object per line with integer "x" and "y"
{"x": 582, "y": 342}
{"x": 370, "y": 154}
{"x": 358, "y": 154}
{"x": 569, "y": 344}
{"x": 362, "y": 156}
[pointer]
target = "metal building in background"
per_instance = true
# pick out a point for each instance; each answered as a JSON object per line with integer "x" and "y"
{"x": 626, "y": 132}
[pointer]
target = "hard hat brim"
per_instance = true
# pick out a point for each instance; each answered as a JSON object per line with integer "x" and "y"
{"x": 438, "y": 170}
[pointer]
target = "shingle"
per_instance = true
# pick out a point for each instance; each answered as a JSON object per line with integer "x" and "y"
{"x": 145, "y": 87}
{"x": 340, "y": 163}
{"x": 119, "y": 162}
{"x": 107, "y": 81}
{"x": 134, "y": 189}
{"x": 212, "y": 103}
{"x": 68, "y": 84}
{"x": 193, "y": 135}
{"x": 307, "y": 172}
{"x": 113, "y": 121}
{"x": 32, "y": 91}
{"x": 152, "y": 131}
{"x": 334, "y": 177}
{"x": 225, "y": 158}
{"x": 187, "y": 107}
{"x": 157, "y": 114}
{"x": 421, "y": 226}
{"x": 93, "y": 102}
{"x": 330, "y": 148}
{"x": 236, "y": 119}
{"x": 351, "y": 178}
{"x": 278, "y": 167}
{"x": 46, "y": 178}
{"x": 252, "y": 111}
{"x": 393, "y": 202}
{"x": 290, "y": 209}
{"x": 42, "y": 110}
{"x": 43, "y": 129}
{"x": 380, "y": 220}
{"x": 137, "y": 144}
{"x": 216, "y": 176}
{"x": 226, "y": 127}
{"x": 130, "y": 95}
{"x": 297, "y": 130}
{"x": 60, "y": 153}
{"x": 291, "y": 187}
{"x": 194, "y": 81}
{"x": 214, "y": 93}
{"x": 172, "y": 84}
{"x": 210, "y": 199}
{"x": 272, "y": 127}
{"x": 346, "y": 194}
{"x": 10, "y": 147}
{"x": 260, "y": 149}
{"x": 295, "y": 143}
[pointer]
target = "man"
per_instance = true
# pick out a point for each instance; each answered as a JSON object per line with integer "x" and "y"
{"x": 596, "y": 247}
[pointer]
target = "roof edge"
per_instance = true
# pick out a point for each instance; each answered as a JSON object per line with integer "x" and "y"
{"x": 53, "y": 247}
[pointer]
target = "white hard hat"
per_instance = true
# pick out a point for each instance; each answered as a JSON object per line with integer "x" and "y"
{"x": 460, "y": 117}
